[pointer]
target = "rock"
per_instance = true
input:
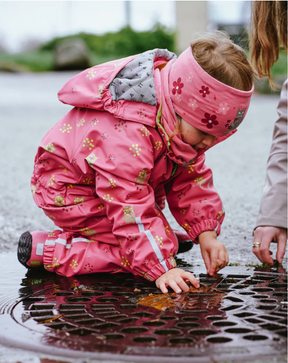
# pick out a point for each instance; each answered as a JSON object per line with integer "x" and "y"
{"x": 12, "y": 67}
{"x": 71, "y": 55}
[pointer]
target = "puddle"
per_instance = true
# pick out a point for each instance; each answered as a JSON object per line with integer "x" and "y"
{"x": 116, "y": 316}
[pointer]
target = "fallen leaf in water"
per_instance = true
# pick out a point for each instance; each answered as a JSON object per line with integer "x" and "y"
{"x": 49, "y": 320}
{"x": 184, "y": 300}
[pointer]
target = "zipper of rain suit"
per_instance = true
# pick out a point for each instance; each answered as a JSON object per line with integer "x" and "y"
{"x": 158, "y": 121}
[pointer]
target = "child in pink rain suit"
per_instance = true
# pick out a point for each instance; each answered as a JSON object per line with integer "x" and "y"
{"x": 136, "y": 137}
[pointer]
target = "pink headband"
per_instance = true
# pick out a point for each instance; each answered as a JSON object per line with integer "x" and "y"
{"x": 202, "y": 101}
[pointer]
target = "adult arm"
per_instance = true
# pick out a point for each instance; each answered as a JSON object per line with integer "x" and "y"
{"x": 271, "y": 224}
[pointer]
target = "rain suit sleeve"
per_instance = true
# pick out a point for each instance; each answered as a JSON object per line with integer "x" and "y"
{"x": 273, "y": 207}
{"x": 193, "y": 200}
{"x": 146, "y": 241}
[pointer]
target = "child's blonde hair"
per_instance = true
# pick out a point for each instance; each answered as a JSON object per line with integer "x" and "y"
{"x": 268, "y": 34}
{"x": 222, "y": 60}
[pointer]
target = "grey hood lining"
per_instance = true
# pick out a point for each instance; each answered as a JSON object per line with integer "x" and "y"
{"x": 135, "y": 82}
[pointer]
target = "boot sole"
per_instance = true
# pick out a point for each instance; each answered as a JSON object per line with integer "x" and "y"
{"x": 24, "y": 248}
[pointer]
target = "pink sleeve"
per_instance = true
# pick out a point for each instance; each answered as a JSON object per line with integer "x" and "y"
{"x": 147, "y": 242}
{"x": 193, "y": 200}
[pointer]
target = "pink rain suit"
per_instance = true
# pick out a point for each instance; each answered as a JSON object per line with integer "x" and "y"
{"x": 104, "y": 171}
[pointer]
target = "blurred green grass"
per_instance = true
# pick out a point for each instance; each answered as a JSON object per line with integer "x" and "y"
{"x": 109, "y": 46}
{"x": 101, "y": 48}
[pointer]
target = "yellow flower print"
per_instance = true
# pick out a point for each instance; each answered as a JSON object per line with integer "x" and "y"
{"x": 51, "y": 217}
{"x": 158, "y": 145}
{"x": 142, "y": 176}
{"x": 112, "y": 183}
{"x": 128, "y": 210}
{"x": 52, "y": 179}
{"x": 74, "y": 264}
{"x": 88, "y": 143}
{"x": 219, "y": 215}
{"x": 63, "y": 167}
{"x": 51, "y": 234}
{"x": 199, "y": 182}
{"x": 91, "y": 74}
{"x": 88, "y": 232}
{"x": 167, "y": 230}
{"x": 135, "y": 150}
{"x": 118, "y": 64}
{"x": 108, "y": 197}
{"x": 159, "y": 241}
{"x": 81, "y": 122}
{"x": 59, "y": 201}
{"x": 50, "y": 147}
{"x": 182, "y": 211}
{"x": 129, "y": 214}
{"x": 186, "y": 227}
{"x": 94, "y": 122}
{"x": 70, "y": 186}
{"x": 191, "y": 168}
{"x": 145, "y": 131}
{"x": 101, "y": 206}
{"x": 66, "y": 128}
{"x": 100, "y": 90}
{"x": 55, "y": 262}
{"x": 125, "y": 262}
{"x": 91, "y": 158}
{"x": 87, "y": 181}
{"x": 79, "y": 200}
{"x": 33, "y": 189}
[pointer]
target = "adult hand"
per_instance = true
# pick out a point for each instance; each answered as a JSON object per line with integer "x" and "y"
{"x": 214, "y": 253}
{"x": 265, "y": 235}
{"x": 175, "y": 278}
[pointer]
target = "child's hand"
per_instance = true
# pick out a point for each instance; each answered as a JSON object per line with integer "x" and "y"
{"x": 176, "y": 278}
{"x": 214, "y": 253}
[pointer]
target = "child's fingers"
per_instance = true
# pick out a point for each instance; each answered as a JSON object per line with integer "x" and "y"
{"x": 214, "y": 262}
{"x": 222, "y": 260}
{"x": 174, "y": 286}
{"x": 188, "y": 276}
{"x": 206, "y": 259}
{"x": 182, "y": 284}
{"x": 162, "y": 287}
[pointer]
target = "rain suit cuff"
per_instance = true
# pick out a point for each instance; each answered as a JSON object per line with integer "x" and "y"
{"x": 203, "y": 226}
{"x": 158, "y": 270}
{"x": 48, "y": 257}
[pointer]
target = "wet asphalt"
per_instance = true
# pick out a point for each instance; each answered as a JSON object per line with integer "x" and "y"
{"x": 29, "y": 107}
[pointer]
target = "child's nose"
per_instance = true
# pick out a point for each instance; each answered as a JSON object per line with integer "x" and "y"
{"x": 209, "y": 140}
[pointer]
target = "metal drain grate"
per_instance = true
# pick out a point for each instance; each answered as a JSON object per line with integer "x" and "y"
{"x": 243, "y": 314}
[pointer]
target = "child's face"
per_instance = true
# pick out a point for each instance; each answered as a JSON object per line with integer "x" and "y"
{"x": 195, "y": 137}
